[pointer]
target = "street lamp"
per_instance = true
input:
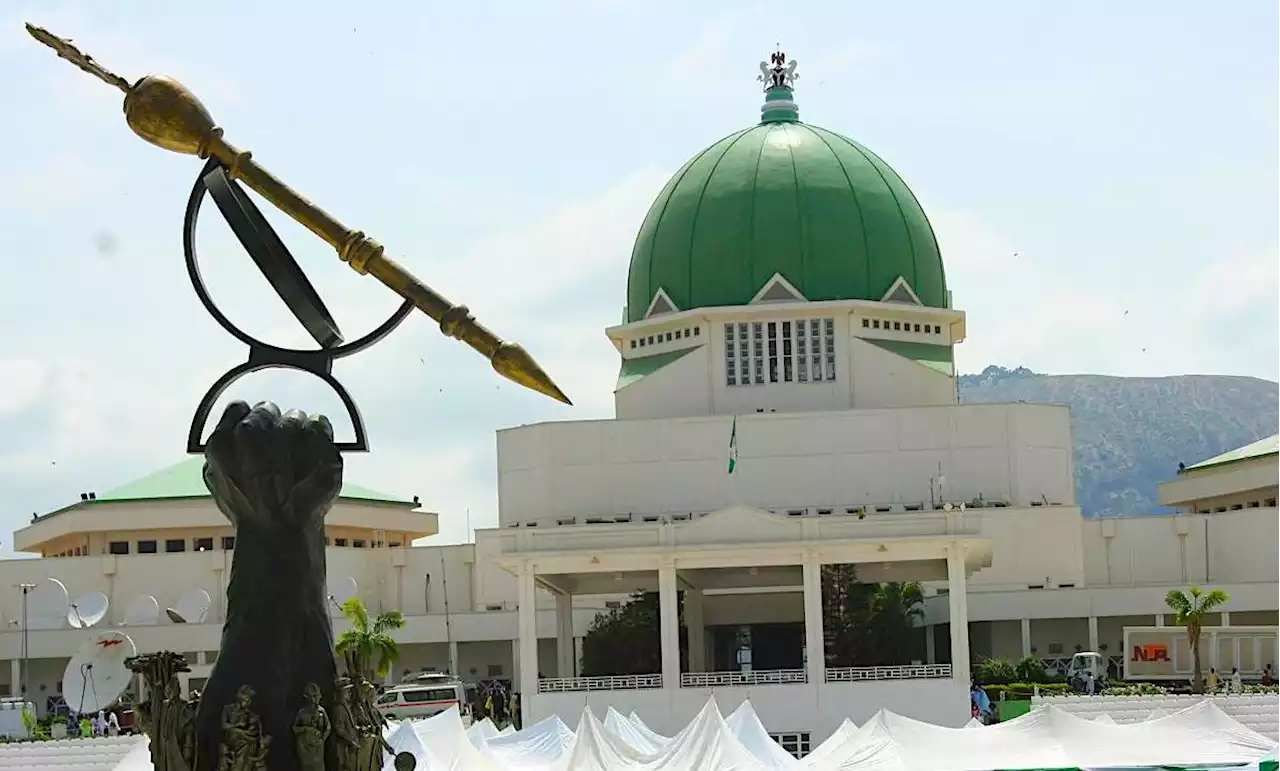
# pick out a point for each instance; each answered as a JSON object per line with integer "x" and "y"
{"x": 22, "y": 686}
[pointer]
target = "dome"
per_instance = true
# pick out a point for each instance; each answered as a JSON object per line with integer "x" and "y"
{"x": 783, "y": 197}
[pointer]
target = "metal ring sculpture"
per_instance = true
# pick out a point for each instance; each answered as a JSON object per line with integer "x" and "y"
{"x": 284, "y": 274}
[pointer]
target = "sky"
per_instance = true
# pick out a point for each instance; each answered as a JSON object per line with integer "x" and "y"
{"x": 1102, "y": 178}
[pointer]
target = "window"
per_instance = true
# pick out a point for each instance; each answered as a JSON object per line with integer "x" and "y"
{"x": 394, "y": 544}
{"x": 730, "y": 356}
{"x": 697, "y": 331}
{"x": 389, "y": 698}
{"x": 118, "y": 547}
{"x": 668, "y": 337}
{"x": 203, "y": 544}
{"x": 866, "y": 323}
{"x": 798, "y": 744}
{"x": 678, "y": 331}
{"x": 875, "y": 324}
{"x": 612, "y": 604}
{"x": 422, "y": 695}
{"x": 773, "y": 351}
{"x": 228, "y": 542}
{"x": 642, "y": 342}
{"x": 917, "y": 327}
{"x": 897, "y": 326}
{"x": 175, "y": 545}
{"x": 358, "y": 543}
{"x": 495, "y": 670}
{"x": 339, "y": 542}
{"x": 146, "y": 547}
{"x": 793, "y": 351}
{"x": 633, "y": 343}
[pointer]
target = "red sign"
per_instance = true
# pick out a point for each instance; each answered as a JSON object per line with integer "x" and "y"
{"x": 1150, "y": 652}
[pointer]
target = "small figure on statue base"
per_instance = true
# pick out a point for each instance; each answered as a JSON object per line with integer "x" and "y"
{"x": 244, "y": 746}
{"x": 345, "y": 732}
{"x": 310, "y": 730}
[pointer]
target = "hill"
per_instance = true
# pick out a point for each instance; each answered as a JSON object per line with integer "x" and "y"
{"x": 1131, "y": 432}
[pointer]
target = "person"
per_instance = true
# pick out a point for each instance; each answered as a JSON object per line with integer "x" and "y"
{"x": 1212, "y": 681}
{"x": 1237, "y": 682}
{"x": 981, "y": 702}
{"x": 99, "y": 724}
{"x": 113, "y": 724}
{"x": 1090, "y": 683}
{"x": 1267, "y": 677}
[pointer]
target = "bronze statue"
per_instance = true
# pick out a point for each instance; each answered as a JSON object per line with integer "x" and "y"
{"x": 310, "y": 730}
{"x": 244, "y": 746}
{"x": 161, "y": 715}
{"x": 345, "y": 732}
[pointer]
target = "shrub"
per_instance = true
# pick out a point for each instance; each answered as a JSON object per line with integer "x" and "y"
{"x": 1022, "y": 691}
{"x": 1135, "y": 689}
{"x": 1030, "y": 669}
{"x": 995, "y": 672}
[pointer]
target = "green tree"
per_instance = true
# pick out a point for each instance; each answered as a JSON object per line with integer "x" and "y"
{"x": 368, "y": 646}
{"x": 1190, "y": 608}
{"x": 626, "y": 639}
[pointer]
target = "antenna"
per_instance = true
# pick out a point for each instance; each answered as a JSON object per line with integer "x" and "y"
{"x": 48, "y": 605}
{"x": 143, "y": 611}
{"x": 192, "y": 607}
{"x": 448, "y": 627}
{"x": 341, "y": 590}
{"x": 96, "y": 675}
{"x": 88, "y": 610}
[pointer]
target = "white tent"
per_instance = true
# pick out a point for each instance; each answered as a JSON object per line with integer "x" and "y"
{"x": 1047, "y": 737}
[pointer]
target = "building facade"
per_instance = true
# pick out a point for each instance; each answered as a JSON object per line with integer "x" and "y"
{"x": 786, "y": 401}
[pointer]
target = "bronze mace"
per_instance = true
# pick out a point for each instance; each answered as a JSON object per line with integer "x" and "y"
{"x": 163, "y": 112}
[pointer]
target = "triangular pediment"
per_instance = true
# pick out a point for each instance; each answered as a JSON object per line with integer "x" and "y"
{"x": 741, "y": 524}
{"x": 660, "y": 304}
{"x": 778, "y": 290}
{"x": 901, "y": 292}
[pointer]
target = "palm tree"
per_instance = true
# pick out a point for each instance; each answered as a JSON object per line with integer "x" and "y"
{"x": 1190, "y": 609}
{"x": 367, "y": 645}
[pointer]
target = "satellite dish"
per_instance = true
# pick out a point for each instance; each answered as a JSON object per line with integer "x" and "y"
{"x": 47, "y": 605}
{"x": 340, "y": 590}
{"x": 88, "y": 610}
{"x": 96, "y": 676}
{"x": 143, "y": 611}
{"x": 192, "y": 607}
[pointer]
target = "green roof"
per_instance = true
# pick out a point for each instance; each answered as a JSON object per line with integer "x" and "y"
{"x": 1258, "y": 449}
{"x": 638, "y": 368}
{"x": 935, "y": 357}
{"x": 783, "y": 197}
{"x": 185, "y": 480}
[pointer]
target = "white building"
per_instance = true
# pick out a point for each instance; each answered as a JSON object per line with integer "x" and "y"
{"x": 787, "y": 309}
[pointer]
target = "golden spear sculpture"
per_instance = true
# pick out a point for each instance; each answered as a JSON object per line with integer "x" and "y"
{"x": 163, "y": 112}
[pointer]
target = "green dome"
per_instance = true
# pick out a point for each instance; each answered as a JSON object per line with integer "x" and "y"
{"x": 788, "y": 198}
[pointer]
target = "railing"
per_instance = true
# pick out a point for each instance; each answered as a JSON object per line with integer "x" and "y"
{"x": 903, "y": 672}
{"x": 726, "y": 679}
{"x": 606, "y": 683}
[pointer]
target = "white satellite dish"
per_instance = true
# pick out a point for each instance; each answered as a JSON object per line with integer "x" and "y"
{"x": 88, "y": 610}
{"x": 96, "y": 676}
{"x": 192, "y": 607}
{"x": 143, "y": 611}
{"x": 340, "y": 590}
{"x": 47, "y": 605}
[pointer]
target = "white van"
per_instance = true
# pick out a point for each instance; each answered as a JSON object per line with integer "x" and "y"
{"x": 423, "y": 696}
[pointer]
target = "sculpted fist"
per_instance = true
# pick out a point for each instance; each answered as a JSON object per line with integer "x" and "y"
{"x": 266, "y": 468}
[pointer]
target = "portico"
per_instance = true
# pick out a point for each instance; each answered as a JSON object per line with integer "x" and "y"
{"x": 698, "y": 564}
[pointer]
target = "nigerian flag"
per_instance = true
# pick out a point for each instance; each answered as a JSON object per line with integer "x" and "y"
{"x": 733, "y": 445}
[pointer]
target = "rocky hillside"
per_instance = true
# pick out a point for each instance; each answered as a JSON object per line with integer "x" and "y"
{"x": 1131, "y": 432}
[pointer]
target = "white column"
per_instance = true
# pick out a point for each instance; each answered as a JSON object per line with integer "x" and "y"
{"x": 669, "y": 616}
{"x": 527, "y": 661}
{"x": 1226, "y": 618}
{"x": 1159, "y": 619}
{"x": 693, "y": 622}
{"x": 1026, "y": 637}
{"x": 1093, "y": 634}
{"x": 453, "y": 659}
{"x": 959, "y": 606}
{"x": 15, "y": 676}
{"x": 814, "y": 642}
{"x": 564, "y": 635}
{"x": 930, "y": 645}
{"x": 515, "y": 662}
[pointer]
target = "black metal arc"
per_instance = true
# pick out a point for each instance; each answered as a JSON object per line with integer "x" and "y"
{"x": 285, "y": 276}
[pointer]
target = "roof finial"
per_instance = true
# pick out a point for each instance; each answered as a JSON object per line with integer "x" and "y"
{"x": 778, "y": 76}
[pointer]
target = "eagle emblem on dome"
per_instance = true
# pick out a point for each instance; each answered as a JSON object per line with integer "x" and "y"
{"x": 777, "y": 72}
